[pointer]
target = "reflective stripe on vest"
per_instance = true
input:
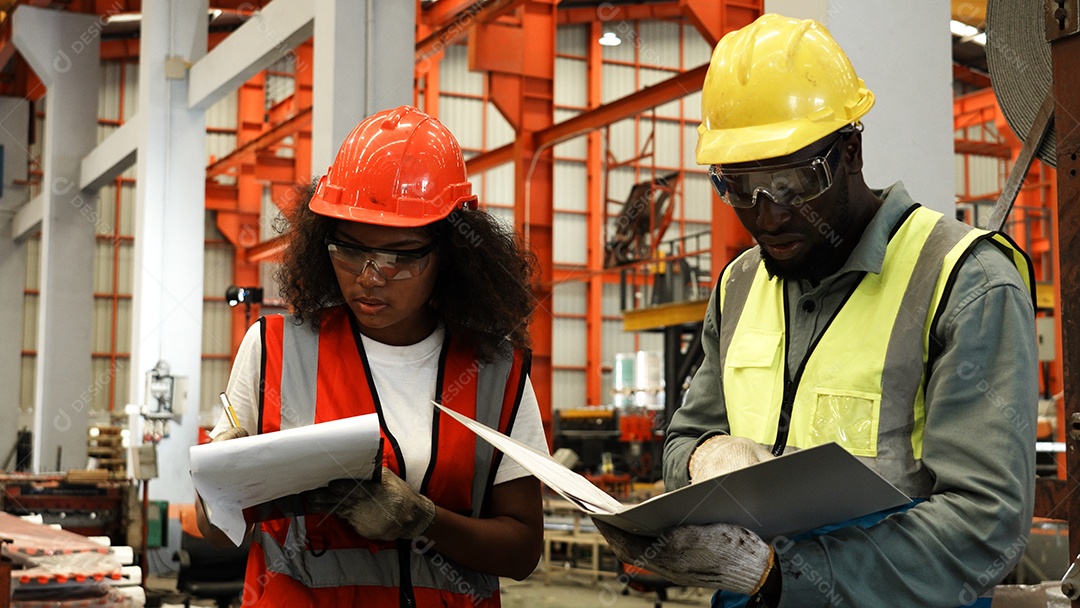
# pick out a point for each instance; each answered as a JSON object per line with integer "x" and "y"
{"x": 328, "y": 553}
{"x": 862, "y": 384}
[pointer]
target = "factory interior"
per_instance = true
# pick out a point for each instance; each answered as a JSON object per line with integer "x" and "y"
{"x": 152, "y": 149}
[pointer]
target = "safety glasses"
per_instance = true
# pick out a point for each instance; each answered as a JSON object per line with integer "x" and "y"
{"x": 789, "y": 185}
{"x": 391, "y": 264}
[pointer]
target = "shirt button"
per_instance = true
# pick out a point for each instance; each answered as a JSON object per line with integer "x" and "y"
{"x": 809, "y": 306}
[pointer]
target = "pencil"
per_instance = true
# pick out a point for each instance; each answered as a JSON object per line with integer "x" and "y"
{"x": 230, "y": 413}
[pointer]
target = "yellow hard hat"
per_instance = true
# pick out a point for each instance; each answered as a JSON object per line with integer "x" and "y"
{"x": 774, "y": 87}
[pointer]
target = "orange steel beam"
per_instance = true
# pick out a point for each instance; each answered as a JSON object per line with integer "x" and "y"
{"x": 490, "y": 159}
{"x": 520, "y": 83}
{"x": 669, "y": 90}
{"x": 452, "y": 22}
{"x": 713, "y": 19}
{"x": 287, "y": 195}
{"x": 243, "y": 153}
{"x": 982, "y": 148}
{"x": 266, "y": 251}
{"x": 621, "y": 12}
{"x": 562, "y": 274}
{"x": 303, "y": 97}
{"x": 240, "y": 225}
{"x": 438, "y": 14}
{"x": 965, "y": 74}
{"x": 594, "y": 227}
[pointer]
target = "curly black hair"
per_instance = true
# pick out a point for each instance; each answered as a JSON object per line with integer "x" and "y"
{"x": 483, "y": 292}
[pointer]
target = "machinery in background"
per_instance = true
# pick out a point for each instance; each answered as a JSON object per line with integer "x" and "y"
{"x": 642, "y": 221}
{"x": 622, "y": 443}
{"x": 615, "y": 446}
{"x": 99, "y": 507}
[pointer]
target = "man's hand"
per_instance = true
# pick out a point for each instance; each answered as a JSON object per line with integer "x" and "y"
{"x": 380, "y": 510}
{"x": 723, "y": 454}
{"x": 716, "y": 556}
{"x": 235, "y": 432}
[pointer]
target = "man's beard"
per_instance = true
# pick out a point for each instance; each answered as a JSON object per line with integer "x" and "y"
{"x": 824, "y": 257}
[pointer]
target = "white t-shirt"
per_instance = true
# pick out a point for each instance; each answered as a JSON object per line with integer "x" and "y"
{"x": 405, "y": 378}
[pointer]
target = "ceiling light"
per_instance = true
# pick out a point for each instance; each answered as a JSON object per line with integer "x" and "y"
{"x": 214, "y": 13}
{"x": 610, "y": 39}
{"x": 125, "y": 17}
{"x": 967, "y": 32}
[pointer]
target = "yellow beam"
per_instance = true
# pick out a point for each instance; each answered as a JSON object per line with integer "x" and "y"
{"x": 1044, "y": 295}
{"x": 971, "y": 12}
{"x": 664, "y": 315}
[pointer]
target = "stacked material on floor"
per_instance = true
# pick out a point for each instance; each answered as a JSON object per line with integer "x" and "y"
{"x": 53, "y": 568}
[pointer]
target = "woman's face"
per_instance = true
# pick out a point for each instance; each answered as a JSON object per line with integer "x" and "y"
{"x": 392, "y": 311}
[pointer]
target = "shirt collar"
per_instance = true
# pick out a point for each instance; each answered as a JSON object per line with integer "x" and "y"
{"x": 869, "y": 252}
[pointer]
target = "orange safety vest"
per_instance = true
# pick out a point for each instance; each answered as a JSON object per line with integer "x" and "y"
{"x": 319, "y": 560}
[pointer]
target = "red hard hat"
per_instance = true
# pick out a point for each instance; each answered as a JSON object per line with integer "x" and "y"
{"x": 398, "y": 167}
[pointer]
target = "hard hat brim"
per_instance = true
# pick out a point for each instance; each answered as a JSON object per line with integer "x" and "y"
{"x": 363, "y": 215}
{"x": 762, "y": 142}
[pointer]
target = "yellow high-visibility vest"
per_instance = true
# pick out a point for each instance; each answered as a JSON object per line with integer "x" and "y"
{"x": 862, "y": 383}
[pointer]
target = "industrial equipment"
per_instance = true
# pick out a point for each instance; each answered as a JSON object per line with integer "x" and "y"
{"x": 642, "y": 222}
{"x": 100, "y": 508}
{"x": 623, "y": 443}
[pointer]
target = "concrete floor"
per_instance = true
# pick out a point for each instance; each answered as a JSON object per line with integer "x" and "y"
{"x": 566, "y": 590}
{"x": 573, "y": 591}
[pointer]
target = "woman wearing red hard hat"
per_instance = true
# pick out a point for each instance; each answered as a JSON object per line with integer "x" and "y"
{"x": 401, "y": 293}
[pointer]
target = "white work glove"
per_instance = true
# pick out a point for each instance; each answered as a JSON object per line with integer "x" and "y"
{"x": 380, "y": 510}
{"x": 723, "y": 454}
{"x": 715, "y": 556}
{"x": 234, "y": 432}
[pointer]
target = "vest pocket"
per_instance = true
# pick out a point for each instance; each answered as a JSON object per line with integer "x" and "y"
{"x": 751, "y": 380}
{"x": 850, "y": 418}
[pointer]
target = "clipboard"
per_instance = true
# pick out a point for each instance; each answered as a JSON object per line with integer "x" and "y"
{"x": 295, "y": 505}
{"x": 267, "y": 474}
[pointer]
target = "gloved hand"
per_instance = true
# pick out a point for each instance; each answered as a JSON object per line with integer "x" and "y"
{"x": 380, "y": 510}
{"x": 715, "y": 556}
{"x": 723, "y": 454}
{"x": 235, "y": 432}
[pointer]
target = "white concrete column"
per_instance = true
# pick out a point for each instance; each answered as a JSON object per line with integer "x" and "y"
{"x": 167, "y": 298}
{"x": 359, "y": 68}
{"x": 903, "y": 51}
{"x": 14, "y": 123}
{"x": 62, "y": 49}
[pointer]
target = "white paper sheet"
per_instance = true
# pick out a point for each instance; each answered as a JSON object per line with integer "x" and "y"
{"x": 795, "y": 493}
{"x": 233, "y": 475}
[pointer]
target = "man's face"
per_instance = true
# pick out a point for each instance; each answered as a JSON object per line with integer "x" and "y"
{"x": 802, "y": 240}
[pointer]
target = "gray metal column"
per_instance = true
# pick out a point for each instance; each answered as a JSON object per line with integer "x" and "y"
{"x": 62, "y": 48}
{"x": 360, "y": 68}
{"x": 14, "y": 122}
{"x": 167, "y": 299}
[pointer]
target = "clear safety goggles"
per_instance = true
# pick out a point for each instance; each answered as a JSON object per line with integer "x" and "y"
{"x": 788, "y": 185}
{"x": 391, "y": 264}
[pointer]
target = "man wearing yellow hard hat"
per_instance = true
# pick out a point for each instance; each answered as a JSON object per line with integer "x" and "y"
{"x": 860, "y": 318}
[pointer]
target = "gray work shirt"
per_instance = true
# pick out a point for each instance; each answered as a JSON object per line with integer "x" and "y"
{"x": 978, "y": 442}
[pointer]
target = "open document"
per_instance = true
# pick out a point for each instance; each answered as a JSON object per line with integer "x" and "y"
{"x": 794, "y": 493}
{"x": 240, "y": 473}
